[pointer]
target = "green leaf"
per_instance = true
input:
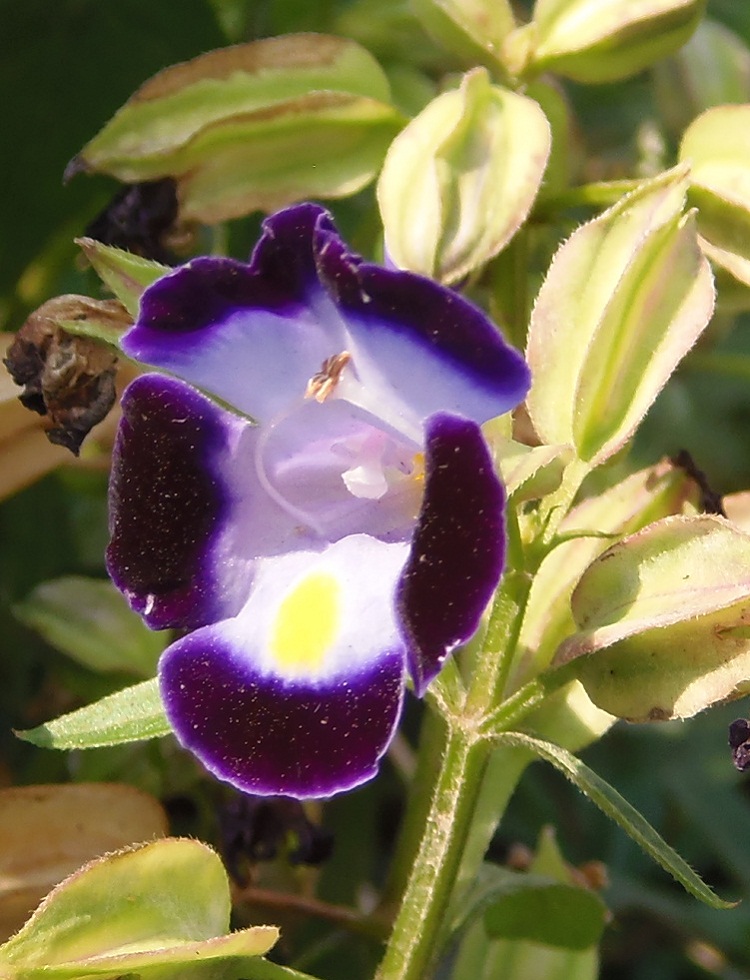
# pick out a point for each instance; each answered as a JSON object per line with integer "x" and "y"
{"x": 537, "y": 908}
{"x": 90, "y": 621}
{"x": 541, "y": 910}
{"x": 620, "y": 811}
{"x": 155, "y": 911}
{"x": 133, "y": 714}
{"x": 712, "y": 69}
{"x": 625, "y": 507}
{"x": 482, "y": 958}
{"x": 127, "y": 275}
{"x": 528, "y": 472}
{"x": 473, "y": 30}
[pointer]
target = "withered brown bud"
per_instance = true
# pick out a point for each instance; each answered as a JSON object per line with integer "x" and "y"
{"x": 69, "y": 379}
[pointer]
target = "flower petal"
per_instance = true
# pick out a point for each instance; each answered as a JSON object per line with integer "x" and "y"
{"x": 417, "y": 347}
{"x": 166, "y": 505}
{"x": 187, "y": 519}
{"x": 313, "y": 458}
{"x": 299, "y": 694}
{"x": 253, "y": 335}
{"x": 458, "y": 548}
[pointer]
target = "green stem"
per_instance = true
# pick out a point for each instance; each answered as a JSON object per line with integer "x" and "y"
{"x": 432, "y": 746}
{"x": 414, "y": 944}
{"x": 493, "y": 665}
{"x": 556, "y": 505}
{"x": 458, "y": 778}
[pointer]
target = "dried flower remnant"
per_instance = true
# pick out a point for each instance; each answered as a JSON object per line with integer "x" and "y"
{"x": 67, "y": 378}
{"x": 140, "y": 218}
{"x": 711, "y": 502}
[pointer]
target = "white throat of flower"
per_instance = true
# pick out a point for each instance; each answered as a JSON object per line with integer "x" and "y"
{"x": 381, "y": 464}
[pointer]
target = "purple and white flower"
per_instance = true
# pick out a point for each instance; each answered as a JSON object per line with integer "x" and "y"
{"x": 306, "y": 490}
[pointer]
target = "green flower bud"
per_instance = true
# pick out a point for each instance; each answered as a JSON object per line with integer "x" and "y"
{"x": 717, "y": 148}
{"x": 646, "y": 496}
{"x": 663, "y": 620}
{"x": 461, "y": 178}
{"x": 591, "y": 41}
{"x": 253, "y": 127}
{"x": 624, "y": 300}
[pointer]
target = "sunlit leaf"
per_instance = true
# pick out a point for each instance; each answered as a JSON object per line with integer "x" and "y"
{"x": 130, "y": 715}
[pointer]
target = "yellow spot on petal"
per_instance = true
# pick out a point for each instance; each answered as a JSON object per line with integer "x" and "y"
{"x": 307, "y": 624}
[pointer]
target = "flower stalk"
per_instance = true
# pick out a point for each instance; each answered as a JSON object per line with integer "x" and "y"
{"x": 420, "y": 925}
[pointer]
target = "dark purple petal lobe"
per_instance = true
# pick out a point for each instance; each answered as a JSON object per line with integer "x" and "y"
{"x": 252, "y": 335}
{"x": 458, "y": 548}
{"x": 271, "y": 736}
{"x": 168, "y": 503}
{"x": 437, "y": 321}
{"x": 207, "y": 290}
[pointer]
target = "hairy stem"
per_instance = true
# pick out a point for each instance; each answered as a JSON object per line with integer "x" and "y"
{"x": 419, "y": 926}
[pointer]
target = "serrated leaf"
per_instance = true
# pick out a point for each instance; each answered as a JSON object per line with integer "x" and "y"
{"x": 127, "y": 275}
{"x": 614, "y": 806}
{"x": 89, "y": 620}
{"x": 155, "y": 911}
{"x": 131, "y": 715}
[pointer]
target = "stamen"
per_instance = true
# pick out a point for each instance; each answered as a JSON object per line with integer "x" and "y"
{"x": 322, "y": 385}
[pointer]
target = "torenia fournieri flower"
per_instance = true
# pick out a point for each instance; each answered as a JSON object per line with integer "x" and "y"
{"x": 324, "y": 525}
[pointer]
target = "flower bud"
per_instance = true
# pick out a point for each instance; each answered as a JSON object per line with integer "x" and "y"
{"x": 253, "y": 127}
{"x": 591, "y": 41}
{"x": 663, "y": 620}
{"x": 624, "y": 300}
{"x": 461, "y": 178}
{"x": 717, "y": 148}
{"x": 645, "y": 496}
